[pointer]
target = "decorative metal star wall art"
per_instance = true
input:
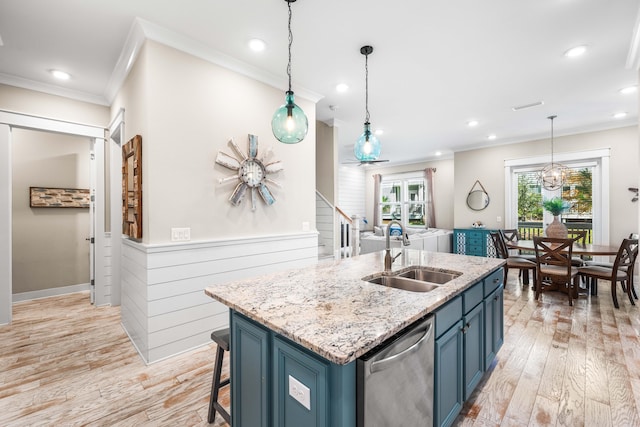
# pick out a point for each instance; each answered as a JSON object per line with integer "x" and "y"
{"x": 251, "y": 173}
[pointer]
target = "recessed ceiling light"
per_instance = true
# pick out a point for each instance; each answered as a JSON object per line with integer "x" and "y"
{"x": 472, "y": 123}
{"x": 491, "y": 137}
{"x": 629, "y": 89}
{"x": 257, "y": 45}
{"x": 438, "y": 153}
{"x": 60, "y": 74}
{"x": 342, "y": 87}
{"x": 620, "y": 115}
{"x": 575, "y": 51}
{"x": 379, "y": 131}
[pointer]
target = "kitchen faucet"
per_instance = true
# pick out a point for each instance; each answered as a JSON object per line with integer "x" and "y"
{"x": 388, "y": 259}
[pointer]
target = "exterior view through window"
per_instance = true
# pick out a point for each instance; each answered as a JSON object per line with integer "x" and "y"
{"x": 404, "y": 201}
{"x": 577, "y": 190}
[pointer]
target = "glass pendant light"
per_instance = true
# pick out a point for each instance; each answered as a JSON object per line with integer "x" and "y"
{"x": 367, "y": 147}
{"x": 553, "y": 175}
{"x": 289, "y": 123}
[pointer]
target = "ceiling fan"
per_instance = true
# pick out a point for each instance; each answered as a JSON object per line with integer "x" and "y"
{"x": 364, "y": 162}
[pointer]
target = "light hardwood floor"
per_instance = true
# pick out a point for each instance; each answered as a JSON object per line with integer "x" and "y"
{"x": 65, "y": 362}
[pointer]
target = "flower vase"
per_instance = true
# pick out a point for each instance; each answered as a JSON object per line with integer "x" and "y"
{"x": 557, "y": 229}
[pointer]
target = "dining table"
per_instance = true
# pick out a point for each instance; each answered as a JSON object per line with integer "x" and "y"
{"x": 578, "y": 249}
{"x": 587, "y": 249}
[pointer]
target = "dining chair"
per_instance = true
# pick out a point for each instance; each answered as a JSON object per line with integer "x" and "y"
{"x": 512, "y": 261}
{"x": 553, "y": 266}
{"x": 621, "y": 271}
{"x": 593, "y": 282}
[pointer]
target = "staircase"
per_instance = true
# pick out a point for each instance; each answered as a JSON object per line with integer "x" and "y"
{"x": 338, "y": 234}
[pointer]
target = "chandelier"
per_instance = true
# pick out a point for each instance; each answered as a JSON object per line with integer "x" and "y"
{"x": 553, "y": 175}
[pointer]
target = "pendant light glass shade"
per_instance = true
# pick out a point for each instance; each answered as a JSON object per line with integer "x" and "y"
{"x": 367, "y": 148}
{"x": 289, "y": 123}
{"x": 553, "y": 175}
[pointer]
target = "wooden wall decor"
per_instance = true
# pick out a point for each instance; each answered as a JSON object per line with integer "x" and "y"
{"x": 132, "y": 188}
{"x": 47, "y": 197}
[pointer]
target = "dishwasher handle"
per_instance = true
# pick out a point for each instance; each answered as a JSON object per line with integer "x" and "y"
{"x": 384, "y": 363}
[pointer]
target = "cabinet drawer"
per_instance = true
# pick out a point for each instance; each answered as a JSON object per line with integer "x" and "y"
{"x": 492, "y": 281}
{"x": 475, "y": 241}
{"x": 472, "y": 297}
{"x": 474, "y": 234}
{"x": 476, "y": 250}
{"x": 448, "y": 315}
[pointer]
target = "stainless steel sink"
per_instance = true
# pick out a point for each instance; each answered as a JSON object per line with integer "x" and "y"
{"x": 404, "y": 283}
{"x": 426, "y": 274}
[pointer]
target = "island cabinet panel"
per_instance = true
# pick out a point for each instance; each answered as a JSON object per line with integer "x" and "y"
{"x": 250, "y": 373}
{"x": 448, "y": 386}
{"x": 268, "y": 370}
{"x": 494, "y": 324}
{"x": 473, "y": 345}
{"x": 469, "y": 333}
{"x": 290, "y": 368}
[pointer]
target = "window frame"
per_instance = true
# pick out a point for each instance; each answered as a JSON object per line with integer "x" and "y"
{"x": 600, "y": 183}
{"x": 405, "y": 203}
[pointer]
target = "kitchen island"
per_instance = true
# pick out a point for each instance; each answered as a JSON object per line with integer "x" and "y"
{"x": 317, "y": 321}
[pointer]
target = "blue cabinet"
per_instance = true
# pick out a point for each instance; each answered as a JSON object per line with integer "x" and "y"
{"x": 473, "y": 241}
{"x": 469, "y": 332}
{"x": 275, "y": 382}
{"x": 250, "y": 372}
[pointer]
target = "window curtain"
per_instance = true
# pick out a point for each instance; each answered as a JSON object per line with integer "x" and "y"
{"x": 428, "y": 183}
{"x": 377, "y": 179}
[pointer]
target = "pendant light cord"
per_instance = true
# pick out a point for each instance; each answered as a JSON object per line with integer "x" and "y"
{"x": 551, "y": 118}
{"x": 366, "y": 87}
{"x": 290, "y": 43}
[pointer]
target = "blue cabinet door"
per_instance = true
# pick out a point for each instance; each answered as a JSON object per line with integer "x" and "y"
{"x": 298, "y": 374}
{"x": 473, "y": 344}
{"x": 494, "y": 324}
{"x": 448, "y": 381}
{"x": 250, "y": 374}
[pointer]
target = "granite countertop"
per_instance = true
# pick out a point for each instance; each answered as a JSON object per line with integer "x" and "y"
{"x": 328, "y": 308}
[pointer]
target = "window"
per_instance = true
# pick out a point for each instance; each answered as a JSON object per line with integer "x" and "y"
{"x": 403, "y": 198}
{"x": 588, "y": 175}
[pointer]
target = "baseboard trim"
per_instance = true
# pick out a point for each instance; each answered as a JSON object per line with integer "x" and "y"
{"x": 51, "y": 292}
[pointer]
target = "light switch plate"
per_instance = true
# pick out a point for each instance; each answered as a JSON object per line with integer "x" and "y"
{"x": 300, "y": 392}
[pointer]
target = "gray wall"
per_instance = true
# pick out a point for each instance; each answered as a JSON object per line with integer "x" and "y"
{"x": 487, "y": 165}
{"x": 49, "y": 247}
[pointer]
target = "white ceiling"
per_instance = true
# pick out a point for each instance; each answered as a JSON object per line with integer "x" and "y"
{"x": 435, "y": 65}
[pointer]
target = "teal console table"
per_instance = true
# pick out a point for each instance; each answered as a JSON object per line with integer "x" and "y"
{"x": 473, "y": 241}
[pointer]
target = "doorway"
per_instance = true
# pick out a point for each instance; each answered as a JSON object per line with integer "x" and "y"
{"x": 8, "y": 122}
{"x": 51, "y": 232}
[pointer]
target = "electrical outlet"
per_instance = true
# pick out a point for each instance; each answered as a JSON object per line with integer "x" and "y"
{"x": 180, "y": 234}
{"x": 300, "y": 392}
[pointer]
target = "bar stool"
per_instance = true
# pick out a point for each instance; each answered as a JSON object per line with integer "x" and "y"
{"x": 221, "y": 338}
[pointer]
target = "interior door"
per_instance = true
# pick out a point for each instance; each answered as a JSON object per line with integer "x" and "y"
{"x": 92, "y": 220}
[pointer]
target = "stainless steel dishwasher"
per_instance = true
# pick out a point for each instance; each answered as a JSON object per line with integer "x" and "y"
{"x": 395, "y": 380}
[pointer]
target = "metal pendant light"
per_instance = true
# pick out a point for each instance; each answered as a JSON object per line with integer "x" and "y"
{"x": 289, "y": 123}
{"x": 367, "y": 148}
{"x": 553, "y": 175}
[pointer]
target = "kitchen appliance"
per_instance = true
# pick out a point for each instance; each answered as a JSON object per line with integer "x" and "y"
{"x": 395, "y": 380}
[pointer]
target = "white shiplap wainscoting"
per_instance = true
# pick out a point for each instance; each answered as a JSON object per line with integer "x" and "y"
{"x": 351, "y": 191}
{"x": 164, "y": 308}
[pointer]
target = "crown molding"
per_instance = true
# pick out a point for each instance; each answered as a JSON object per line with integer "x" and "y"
{"x": 633, "y": 57}
{"x": 23, "y": 83}
{"x": 142, "y": 30}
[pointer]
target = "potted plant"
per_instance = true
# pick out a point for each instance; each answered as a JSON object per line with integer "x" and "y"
{"x": 556, "y": 206}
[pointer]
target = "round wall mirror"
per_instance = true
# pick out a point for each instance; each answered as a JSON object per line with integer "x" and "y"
{"x": 477, "y": 200}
